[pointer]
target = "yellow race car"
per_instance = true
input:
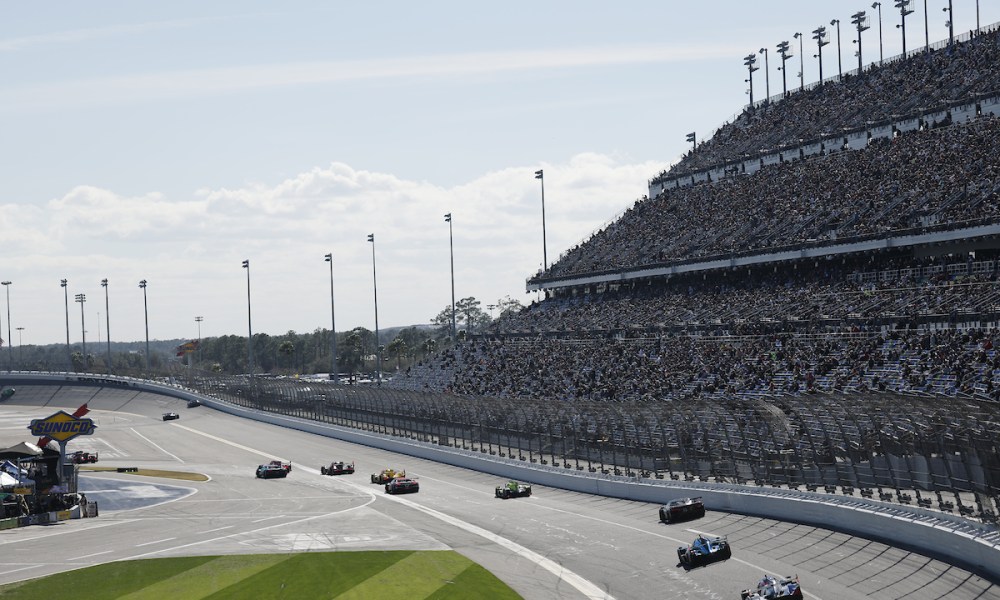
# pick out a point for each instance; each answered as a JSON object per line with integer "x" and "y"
{"x": 387, "y": 475}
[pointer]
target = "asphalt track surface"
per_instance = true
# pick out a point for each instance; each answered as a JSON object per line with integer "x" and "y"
{"x": 555, "y": 544}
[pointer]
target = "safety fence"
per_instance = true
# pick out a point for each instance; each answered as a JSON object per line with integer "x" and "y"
{"x": 930, "y": 452}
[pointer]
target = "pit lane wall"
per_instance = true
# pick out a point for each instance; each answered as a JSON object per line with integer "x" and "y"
{"x": 953, "y": 539}
{"x": 39, "y": 519}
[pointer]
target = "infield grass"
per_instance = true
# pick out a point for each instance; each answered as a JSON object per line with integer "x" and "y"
{"x": 389, "y": 575}
{"x": 183, "y": 475}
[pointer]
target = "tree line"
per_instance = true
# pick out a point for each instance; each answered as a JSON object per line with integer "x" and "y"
{"x": 290, "y": 353}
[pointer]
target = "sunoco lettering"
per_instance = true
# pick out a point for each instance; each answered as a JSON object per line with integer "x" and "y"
{"x": 67, "y": 427}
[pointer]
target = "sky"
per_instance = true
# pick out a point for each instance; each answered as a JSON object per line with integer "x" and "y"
{"x": 169, "y": 142}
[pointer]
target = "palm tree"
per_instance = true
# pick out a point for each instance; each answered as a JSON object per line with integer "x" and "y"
{"x": 397, "y": 348}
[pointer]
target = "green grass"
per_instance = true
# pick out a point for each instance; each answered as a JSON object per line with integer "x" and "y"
{"x": 400, "y": 574}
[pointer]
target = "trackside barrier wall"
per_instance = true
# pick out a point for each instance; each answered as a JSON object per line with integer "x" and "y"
{"x": 953, "y": 539}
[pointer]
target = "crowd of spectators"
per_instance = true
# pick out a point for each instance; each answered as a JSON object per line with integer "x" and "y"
{"x": 806, "y": 295}
{"x": 882, "y": 322}
{"x": 940, "y": 178}
{"x": 903, "y": 87}
{"x": 679, "y": 367}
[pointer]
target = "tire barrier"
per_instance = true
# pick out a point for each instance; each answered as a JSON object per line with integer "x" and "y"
{"x": 127, "y": 469}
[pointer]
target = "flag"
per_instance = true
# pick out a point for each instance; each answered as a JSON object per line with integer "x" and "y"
{"x": 371, "y": 237}
{"x": 690, "y": 137}
{"x": 538, "y": 174}
{"x": 447, "y": 218}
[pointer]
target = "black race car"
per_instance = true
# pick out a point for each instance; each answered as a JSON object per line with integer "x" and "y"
{"x": 170, "y": 416}
{"x": 402, "y": 485}
{"x": 682, "y": 509}
{"x": 513, "y": 489}
{"x": 704, "y": 550}
{"x": 194, "y": 403}
{"x": 271, "y": 471}
{"x": 338, "y": 468}
{"x": 774, "y": 588}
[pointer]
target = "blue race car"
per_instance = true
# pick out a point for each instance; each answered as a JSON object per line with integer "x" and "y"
{"x": 704, "y": 550}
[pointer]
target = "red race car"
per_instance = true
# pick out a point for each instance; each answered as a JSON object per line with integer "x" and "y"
{"x": 80, "y": 457}
{"x": 287, "y": 466}
{"x": 338, "y": 468}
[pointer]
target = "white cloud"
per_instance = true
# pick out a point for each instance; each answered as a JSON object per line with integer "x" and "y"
{"x": 190, "y": 249}
{"x": 211, "y": 81}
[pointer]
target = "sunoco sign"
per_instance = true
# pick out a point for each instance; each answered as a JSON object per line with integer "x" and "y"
{"x": 61, "y": 427}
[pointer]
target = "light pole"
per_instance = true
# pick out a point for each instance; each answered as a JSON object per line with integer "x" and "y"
{"x": 81, "y": 298}
{"x": 145, "y": 312}
{"x": 69, "y": 355}
{"x": 198, "y": 320}
{"x": 905, "y": 9}
{"x": 819, "y": 34}
{"x": 107, "y": 320}
{"x": 927, "y": 31}
{"x": 783, "y": 51}
{"x": 246, "y": 265}
{"x": 767, "y": 76}
{"x": 378, "y": 352}
{"x": 951, "y": 23}
{"x": 802, "y": 64}
{"x": 10, "y": 341}
{"x": 20, "y": 349}
{"x": 451, "y": 249}
{"x": 860, "y": 20}
{"x": 881, "y": 57}
{"x": 334, "y": 369}
{"x": 840, "y": 65}
{"x": 749, "y": 61}
{"x": 540, "y": 175}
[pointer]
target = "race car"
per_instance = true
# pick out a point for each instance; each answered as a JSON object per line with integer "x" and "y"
{"x": 772, "y": 588}
{"x": 80, "y": 457}
{"x": 402, "y": 485}
{"x": 338, "y": 468}
{"x": 7, "y": 393}
{"x": 170, "y": 416}
{"x": 270, "y": 471}
{"x": 704, "y": 550}
{"x": 287, "y": 466}
{"x": 513, "y": 489}
{"x": 387, "y": 475}
{"x": 681, "y": 509}
{"x": 194, "y": 403}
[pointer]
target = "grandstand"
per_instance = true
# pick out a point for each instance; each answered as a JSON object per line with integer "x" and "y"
{"x": 809, "y": 297}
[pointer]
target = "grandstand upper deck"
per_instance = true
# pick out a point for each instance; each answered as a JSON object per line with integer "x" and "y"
{"x": 943, "y": 75}
{"x": 933, "y": 179}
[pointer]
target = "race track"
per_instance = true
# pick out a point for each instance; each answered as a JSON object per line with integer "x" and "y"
{"x": 555, "y": 544}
